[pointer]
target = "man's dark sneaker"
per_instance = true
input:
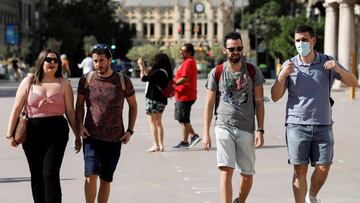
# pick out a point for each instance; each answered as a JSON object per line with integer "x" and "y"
{"x": 194, "y": 140}
{"x": 236, "y": 200}
{"x": 181, "y": 145}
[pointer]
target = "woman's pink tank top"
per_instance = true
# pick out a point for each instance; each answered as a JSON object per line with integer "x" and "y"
{"x": 41, "y": 106}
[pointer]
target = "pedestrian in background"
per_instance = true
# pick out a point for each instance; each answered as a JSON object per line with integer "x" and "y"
{"x": 308, "y": 77}
{"x": 65, "y": 66}
{"x": 186, "y": 95}
{"x": 103, "y": 132}
{"x": 86, "y": 64}
{"x": 48, "y": 96}
{"x": 158, "y": 78}
{"x": 241, "y": 99}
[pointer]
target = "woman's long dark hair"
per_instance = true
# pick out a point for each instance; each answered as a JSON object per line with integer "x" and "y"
{"x": 39, "y": 71}
{"x": 162, "y": 61}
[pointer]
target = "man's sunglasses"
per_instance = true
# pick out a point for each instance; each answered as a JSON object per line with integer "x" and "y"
{"x": 50, "y": 59}
{"x": 232, "y": 49}
{"x": 100, "y": 47}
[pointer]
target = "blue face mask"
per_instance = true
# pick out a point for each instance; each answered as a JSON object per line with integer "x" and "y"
{"x": 303, "y": 48}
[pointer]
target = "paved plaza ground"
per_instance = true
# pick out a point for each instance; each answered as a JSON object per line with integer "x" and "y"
{"x": 191, "y": 176}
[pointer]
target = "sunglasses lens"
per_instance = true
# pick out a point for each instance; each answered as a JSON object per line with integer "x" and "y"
{"x": 232, "y": 49}
{"x": 49, "y": 60}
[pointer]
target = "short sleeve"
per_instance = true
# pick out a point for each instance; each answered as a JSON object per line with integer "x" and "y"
{"x": 211, "y": 82}
{"x": 259, "y": 77}
{"x": 129, "y": 91}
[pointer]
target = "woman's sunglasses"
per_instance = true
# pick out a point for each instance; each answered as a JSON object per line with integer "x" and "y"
{"x": 50, "y": 59}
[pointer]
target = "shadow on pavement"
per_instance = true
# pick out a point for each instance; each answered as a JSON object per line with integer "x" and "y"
{"x": 24, "y": 179}
{"x": 271, "y": 146}
{"x": 190, "y": 149}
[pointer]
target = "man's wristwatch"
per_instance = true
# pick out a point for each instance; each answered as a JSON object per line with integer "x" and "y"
{"x": 130, "y": 131}
{"x": 260, "y": 130}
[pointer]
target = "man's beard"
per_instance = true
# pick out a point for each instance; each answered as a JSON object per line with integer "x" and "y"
{"x": 103, "y": 70}
{"x": 235, "y": 58}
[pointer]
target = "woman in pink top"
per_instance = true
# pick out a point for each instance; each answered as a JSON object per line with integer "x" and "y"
{"x": 48, "y": 97}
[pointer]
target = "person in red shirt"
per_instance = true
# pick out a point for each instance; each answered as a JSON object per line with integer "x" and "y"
{"x": 185, "y": 95}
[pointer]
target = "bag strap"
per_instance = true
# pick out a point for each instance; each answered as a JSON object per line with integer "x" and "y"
{"x": 165, "y": 73}
{"x": 27, "y": 94}
{"x": 167, "y": 76}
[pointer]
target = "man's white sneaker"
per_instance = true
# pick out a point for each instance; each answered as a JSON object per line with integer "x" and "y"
{"x": 310, "y": 199}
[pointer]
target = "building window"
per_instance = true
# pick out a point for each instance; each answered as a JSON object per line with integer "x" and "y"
{"x": 215, "y": 29}
{"x": 192, "y": 29}
{"x": 182, "y": 31}
{"x": 133, "y": 27}
{"x": 205, "y": 29}
{"x": 152, "y": 29}
{"x": 198, "y": 29}
{"x": 170, "y": 29}
{"x": 163, "y": 29}
{"x": 145, "y": 29}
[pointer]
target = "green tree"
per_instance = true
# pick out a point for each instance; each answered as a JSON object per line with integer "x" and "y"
{"x": 282, "y": 45}
{"x": 217, "y": 54}
{"x": 71, "y": 21}
{"x": 89, "y": 41}
{"x": 273, "y": 25}
{"x": 53, "y": 43}
{"x": 289, "y": 8}
{"x": 173, "y": 52}
{"x": 146, "y": 51}
{"x": 25, "y": 46}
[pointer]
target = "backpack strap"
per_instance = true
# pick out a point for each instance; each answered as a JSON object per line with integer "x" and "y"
{"x": 122, "y": 81}
{"x": 218, "y": 70}
{"x": 90, "y": 76}
{"x": 88, "y": 79}
{"x": 251, "y": 70}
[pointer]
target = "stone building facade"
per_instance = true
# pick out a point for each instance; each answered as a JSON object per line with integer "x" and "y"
{"x": 342, "y": 30}
{"x": 164, "y": 23}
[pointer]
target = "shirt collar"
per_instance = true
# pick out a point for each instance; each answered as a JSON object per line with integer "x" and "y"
{"x": 299, "y": 62}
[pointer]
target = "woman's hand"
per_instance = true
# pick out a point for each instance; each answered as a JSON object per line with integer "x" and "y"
{"x": 12, "y": 141}
{"x": 77, "y": 144}
{"x": 141, "y": 63}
